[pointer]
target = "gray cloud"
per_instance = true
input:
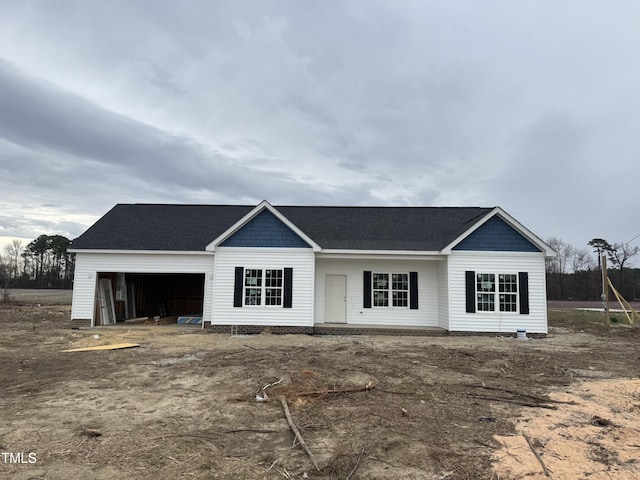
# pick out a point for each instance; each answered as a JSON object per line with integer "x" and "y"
{"x": 44, "y": 119}
{"x": 530, "y": 106}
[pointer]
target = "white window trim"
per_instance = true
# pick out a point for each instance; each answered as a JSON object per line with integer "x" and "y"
{"x": 496, "y": 293}
{"x": 263, "y": 288}
{"x": 390, "y": 290}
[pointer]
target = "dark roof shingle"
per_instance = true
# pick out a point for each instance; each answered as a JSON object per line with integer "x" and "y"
{"x": 193, "y": 227}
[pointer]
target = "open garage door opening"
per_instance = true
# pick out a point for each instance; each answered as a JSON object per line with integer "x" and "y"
{"x": 163, "y": 298}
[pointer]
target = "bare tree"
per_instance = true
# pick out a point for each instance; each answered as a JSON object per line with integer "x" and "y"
{"x": 559, "y": 263}
{"x": 620, "y": 254}
{"x": 4, "y": 277}
{"x": 10, "y": 266}
{"x": 14, "y": 253}
{"x": 556, "y": 267}
{"x": 581, "y": 260}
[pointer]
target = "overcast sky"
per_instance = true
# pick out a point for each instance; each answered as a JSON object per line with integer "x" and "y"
{"x": 530, "y": 105}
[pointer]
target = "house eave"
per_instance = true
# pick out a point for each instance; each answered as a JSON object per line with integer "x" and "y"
{"x": 139, "y": 252}
{"x": 380, "y": 254}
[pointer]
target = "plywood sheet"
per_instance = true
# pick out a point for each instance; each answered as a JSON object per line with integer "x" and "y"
{"x": 115, "y": 346}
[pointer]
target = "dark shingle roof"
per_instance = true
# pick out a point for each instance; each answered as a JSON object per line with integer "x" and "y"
{"x": 193, "y": 227}
{"x": 160, "y": 227}
{"x": 383, "y": 228}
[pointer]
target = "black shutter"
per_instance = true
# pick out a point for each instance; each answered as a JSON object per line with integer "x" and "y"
{"x": 367, "y": 290}
{"x": 413, "y": 290}
{"x": 237, "y": 287}
{"x": 288, "y": 287}
{"x": 523, "y": 280}
{"x": 470, "y": 290}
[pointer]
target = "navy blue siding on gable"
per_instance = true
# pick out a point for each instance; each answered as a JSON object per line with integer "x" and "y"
{"x": 265, "y": 230}
{"x": 496, "y": 235}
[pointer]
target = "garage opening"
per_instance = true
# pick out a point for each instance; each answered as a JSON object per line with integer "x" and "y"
{"x": 162, "y": 297}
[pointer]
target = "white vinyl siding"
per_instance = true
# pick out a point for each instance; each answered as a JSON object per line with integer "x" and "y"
{"x": 88, "y": 265}
{"x": 497, "y": 321}
{"x": 300, "y": 260}
{"x": 443, "y": 295}
{"x": 426, "y": 315}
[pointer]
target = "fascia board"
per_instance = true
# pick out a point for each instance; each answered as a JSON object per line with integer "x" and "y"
{"x": 244, "y": 220}
{"x": 264, "y": 249}
{"x": 380, "y": 254}
{"x": 140, "y": 252}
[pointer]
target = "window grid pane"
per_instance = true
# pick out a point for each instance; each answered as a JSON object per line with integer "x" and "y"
{"x": 273, "y": 278}
{"x": 485, "y": 287}
{"x": 400, "y": 299}
{"x": 400, "y": 286}
{"x": 380, "y": 289}
{"x": 400, "y": 281}
{"x": 273, "y": 296}
{"x": 380, "y": 281}
{"x": 486, "y": 302}
{"x": 508, "y": 288}
{"x": 253, "y": 278}
{"x": 486, "y": 282}
{"x": 252, "y": 296}
{"x": 253, "y": 284}
{"x": 273, "y": 284}
{"x": 380, "y": 298}
{"x": 508, "y": 302}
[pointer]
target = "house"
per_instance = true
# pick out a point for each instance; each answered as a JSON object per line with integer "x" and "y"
{"x": 293, "y": 268}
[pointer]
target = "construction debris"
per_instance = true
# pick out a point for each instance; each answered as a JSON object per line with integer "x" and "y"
{"x": 115, "y": 346}
{"x": 287, "y": 413}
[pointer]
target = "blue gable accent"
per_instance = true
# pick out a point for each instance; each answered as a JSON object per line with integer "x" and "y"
{"x": 265, "y": 230}
{"x": 496, "y": 235}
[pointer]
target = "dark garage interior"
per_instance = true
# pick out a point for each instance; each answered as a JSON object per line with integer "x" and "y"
{"x": 153, "y": 295}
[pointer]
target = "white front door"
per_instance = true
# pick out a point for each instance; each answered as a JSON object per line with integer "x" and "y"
{"x": 336, "y": 299}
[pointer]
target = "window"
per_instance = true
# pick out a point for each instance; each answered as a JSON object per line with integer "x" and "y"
{"x": 390, "y": 285}
{"x": 507, "y": 292}
{"x": 263, "y": 287}
{"x": 512, "y": 292}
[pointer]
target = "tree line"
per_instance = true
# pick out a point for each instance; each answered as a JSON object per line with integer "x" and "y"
{"x": 43, "y": 263}
{"x": 576, "y": 273}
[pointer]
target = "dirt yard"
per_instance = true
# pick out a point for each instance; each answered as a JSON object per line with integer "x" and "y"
{"x": 183, "y": 404}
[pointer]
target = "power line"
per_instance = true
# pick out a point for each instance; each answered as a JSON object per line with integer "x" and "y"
{"x": 627, "y": 243}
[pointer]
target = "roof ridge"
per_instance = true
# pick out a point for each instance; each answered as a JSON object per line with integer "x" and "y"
{"x": 305, "y": 206}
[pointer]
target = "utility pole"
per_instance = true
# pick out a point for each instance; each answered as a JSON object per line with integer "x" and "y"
{"x": 605, "y": 291}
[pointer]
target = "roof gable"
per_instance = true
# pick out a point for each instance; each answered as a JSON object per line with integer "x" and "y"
{"x": 496, "y": 235}
{"x": 265, "y": 230}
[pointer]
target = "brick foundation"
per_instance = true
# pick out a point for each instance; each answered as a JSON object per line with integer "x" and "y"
{"x": 355, "y": 330}
{"x": 256, "y": 329}
{"x": 495, "y": 334}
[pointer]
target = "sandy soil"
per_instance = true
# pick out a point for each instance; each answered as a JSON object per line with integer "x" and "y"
{"x": 594, "y": 433}
{"x": 183, "y": 405}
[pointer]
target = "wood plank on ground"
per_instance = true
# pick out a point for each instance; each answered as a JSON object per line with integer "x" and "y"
{"x": 114, "y": 346}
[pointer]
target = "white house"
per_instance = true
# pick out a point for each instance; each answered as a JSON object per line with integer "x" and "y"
{"x": 460, "y": 269}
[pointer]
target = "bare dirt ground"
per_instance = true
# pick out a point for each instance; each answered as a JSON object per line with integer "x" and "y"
{"x": 183, "y": 404}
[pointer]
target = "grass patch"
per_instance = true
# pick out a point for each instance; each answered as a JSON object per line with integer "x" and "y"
{"x": 585, "y": 319}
